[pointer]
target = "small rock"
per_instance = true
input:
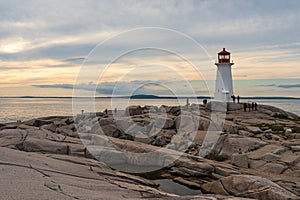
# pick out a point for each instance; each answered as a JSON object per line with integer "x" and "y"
{"x": 245, "y": 133}
{"x": 254, "y": 129}
{"x": 268, "y": 131}
{"x": 288, "y": 132}
{"x": 295, "y": 135}
{"x": 295, "y": 148}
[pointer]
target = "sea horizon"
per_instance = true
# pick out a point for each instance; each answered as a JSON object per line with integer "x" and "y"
{"x": 18, "y": 108}
{"x": 142, "y": 96}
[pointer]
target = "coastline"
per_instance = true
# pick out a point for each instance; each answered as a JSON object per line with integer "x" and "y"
{"x": 153, "y": 97}
{"x": 260, "y": 147}
{"x": 13, "y": 109}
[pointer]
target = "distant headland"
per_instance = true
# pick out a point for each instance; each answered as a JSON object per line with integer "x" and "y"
{"x": 146, "y": 96}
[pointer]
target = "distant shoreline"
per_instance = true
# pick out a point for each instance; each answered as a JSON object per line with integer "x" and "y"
{"x": 149, "y": 97}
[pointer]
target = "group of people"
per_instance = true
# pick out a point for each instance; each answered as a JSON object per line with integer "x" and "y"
{"x": 251, "y": 106}
{"x": 233, "y": 98}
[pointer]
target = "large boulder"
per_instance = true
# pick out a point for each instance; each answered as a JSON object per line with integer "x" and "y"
{"x": 163, "y": 137}
{"x": 111, "y": 130}
{"x": 38, "y": 122}
{"x": 232, "y": 128}
{"x": 11, "y": 137}
{"x": 106, "y": 121}
{"x": 51, "y": 127}
{"x": 140, "y": 137}
{"x": 47, "y": 146}
{"x": 174, "y": 110}
{"x": 274, "y": 168}
{"x": 186, "y": 123}
{"x": 234, "y": 106}
{"x": 249, "y": 186}
{"x": 265, "y": 152}
{"x": 229, "y": 144}
{"x": 164, "y": 123}
{"x": 217, "y": 106}
{"x": 203, "y": 124}
{"x": 240, "y": 160}
{"x": 134, "y": 110}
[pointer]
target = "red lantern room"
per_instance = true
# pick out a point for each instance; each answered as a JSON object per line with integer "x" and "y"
{"x": 224, "y": 56}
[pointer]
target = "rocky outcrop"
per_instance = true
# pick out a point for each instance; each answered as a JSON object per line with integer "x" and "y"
{"x": 249, "y": 186}
{"x": 230, "y": 144}
{"x": 256, "y": 154}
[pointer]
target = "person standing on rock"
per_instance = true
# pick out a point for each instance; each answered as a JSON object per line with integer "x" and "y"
{"x": 255, "y": 106}
{"x": 233, "y": 98}
{"x": 187, "y": 102}
{"x": 238, "y": 98}
{"x": 249, "y": 107}
{"x": 245, "y": 107}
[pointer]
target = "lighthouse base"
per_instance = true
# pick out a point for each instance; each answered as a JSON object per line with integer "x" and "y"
{"x": 220, "y": 106}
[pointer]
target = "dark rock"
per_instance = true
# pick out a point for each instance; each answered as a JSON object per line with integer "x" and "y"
{"x": 39, "y": 122}
{"x": 134, "y": 110}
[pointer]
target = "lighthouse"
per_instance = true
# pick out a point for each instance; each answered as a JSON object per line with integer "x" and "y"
{"x": 224, "y": 86}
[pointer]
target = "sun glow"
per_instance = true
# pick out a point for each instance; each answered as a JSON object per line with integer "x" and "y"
{"x": 13, "y": 45}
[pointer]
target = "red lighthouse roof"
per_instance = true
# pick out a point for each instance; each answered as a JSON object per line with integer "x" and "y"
{"x": 224, "y": 52}
{"x": 224, "y": 56}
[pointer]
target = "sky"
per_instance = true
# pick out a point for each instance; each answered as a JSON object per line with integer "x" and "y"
{"x": 152, "y": 47}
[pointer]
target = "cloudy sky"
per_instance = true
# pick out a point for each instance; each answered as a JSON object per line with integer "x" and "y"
{"x": 47, "y": 47}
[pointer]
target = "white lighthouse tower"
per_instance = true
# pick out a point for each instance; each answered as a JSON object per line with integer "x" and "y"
{"x": 224, "y": 88}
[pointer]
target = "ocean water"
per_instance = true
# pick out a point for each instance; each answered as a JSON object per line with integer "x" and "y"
{"x": 13, "y": 109}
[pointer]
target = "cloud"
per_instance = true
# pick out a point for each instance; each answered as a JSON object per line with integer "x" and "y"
{"x": 262, "y": 36}
{"x": 285, "y": 86}
{"x": 63, "y": 86}
{"x": 134, "y": 87}
{"x": 74, "y": 59}
{"x": 289, "y": 86}
{"x": 53, "y": 23}
{"x": 269, "y": 85}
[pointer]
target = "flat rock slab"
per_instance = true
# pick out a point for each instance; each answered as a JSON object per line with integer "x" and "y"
{"x": 259, "y": 153}
{"x": 40, "y": 176}
{"x": 27, "y": 175}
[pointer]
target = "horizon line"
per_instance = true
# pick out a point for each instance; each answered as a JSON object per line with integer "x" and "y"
{"x": 143, "y": 96}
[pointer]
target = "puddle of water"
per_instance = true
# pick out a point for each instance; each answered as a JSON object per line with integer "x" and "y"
{"x": 170, "y": 186}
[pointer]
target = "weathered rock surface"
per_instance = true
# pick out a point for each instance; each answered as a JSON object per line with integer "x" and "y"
{"x": 249, "y": 186}
{"x": 229, "y": 144}
{"x": 256, "y": 156}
